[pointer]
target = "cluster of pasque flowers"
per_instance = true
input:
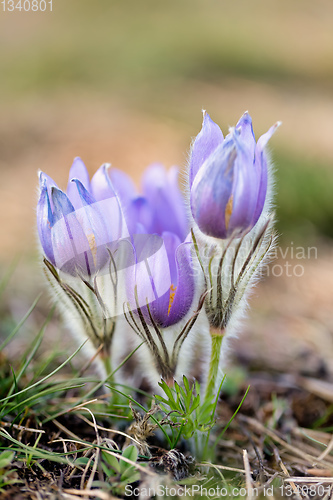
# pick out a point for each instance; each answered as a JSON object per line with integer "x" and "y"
{"x": 157, "y": 267}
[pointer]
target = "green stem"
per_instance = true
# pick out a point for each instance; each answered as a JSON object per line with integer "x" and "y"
{"x": 217, "y": 337}
{"x": 105, "y": 357}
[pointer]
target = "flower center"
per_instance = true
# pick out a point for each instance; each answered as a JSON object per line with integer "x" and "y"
{"x": 172, "y": 296}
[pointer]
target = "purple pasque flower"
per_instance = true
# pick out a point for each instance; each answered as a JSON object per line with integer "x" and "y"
{"x": 228, "y": 178}
{"x": 74, "y": 228}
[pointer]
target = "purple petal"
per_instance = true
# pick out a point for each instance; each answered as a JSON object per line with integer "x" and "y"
{"x": 62, "y": 204}
{"x": 178, "y": 203}
{"x": 152, "y": 273}
{"x": 75, "y": 251}
{"x": 245, "y": 189}
{"x": 184, "y": 292}
{"x": 93, "y": 218}
{"x": 172, "y": 242}
{"x": 101, "y": 186}
{"x": 205, "y": 143}
{"x": 164, "y": 278}
{"x": 104, "y": 193}
{"x": 163, "y": 194}
{"x": 246, "y": 139}
{"x": 139, "y": 214}
{"x": 123, "y": 185}
{"x": 78, "y": 171}
{"x": 85, "y": 198}
{"x": 46, "y": 180}
{"x": 45, "y": 223}
{"x": 211, "y": 192}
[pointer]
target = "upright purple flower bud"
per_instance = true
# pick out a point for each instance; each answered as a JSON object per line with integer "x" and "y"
{"x": 228, "y": 178}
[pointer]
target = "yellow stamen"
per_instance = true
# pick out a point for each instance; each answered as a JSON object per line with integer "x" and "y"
{"x": 228, "y": 211}
{"x": 172, "y": 296}
{"x": 93, "y": 246}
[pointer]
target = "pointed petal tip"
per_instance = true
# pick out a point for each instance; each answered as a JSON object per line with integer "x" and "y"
{"x": 244, "y": 119}
{"x": 263, "y": 140}
{"x": 106, "y": 166}
{"x": 274, "y": 127}
{"x": 82, "y": 191}
{"x": 41, "y": 179}
{"x": 206, "y": 118}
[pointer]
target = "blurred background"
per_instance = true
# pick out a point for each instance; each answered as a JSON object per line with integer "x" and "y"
{"x": 125, "y": 82}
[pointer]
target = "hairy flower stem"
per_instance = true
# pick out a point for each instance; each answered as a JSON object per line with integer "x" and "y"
{"x": 217, "y": 337}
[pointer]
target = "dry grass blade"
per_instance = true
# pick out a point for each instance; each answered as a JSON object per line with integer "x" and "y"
{"x": 319, "y": 436}
{"x": 65, "y": 430}
{"x": 320, "y": 388}
{"x": 327, "y": 451}
{"x": 310, "y": 479}
{"x": 285, "y": 471}
{"x": 248, "y": 477}
{"x": 320, "y": 473}
{"x": 222, "y": 467}
{"x": 74, "y": 494}
{"x": 21, "y": 427}
{"x": 113, "y": 431}
{"x": 94, "y": 469}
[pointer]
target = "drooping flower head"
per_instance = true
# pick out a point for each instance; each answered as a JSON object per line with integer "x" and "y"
{"x": 228, "y": 178}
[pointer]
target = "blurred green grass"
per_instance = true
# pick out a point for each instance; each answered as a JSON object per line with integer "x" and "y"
{"x": 304, "y": 203}
{"x": 116, "y": 43}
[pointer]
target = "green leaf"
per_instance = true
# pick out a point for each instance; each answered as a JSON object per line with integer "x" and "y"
{"x": 111, "y": 460}
{"x": 130, "y": 476}
{"x": 186, "y": 384}
{"x": 6, "y": 458}
{"x": 131, "y": 453}
{"x": 81, "y": 461}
